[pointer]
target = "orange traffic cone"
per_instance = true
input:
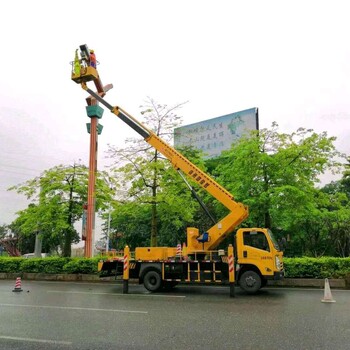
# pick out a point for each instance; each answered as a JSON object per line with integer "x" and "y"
{"x": 18, "y": 287}
{"x": 327, "y": 293}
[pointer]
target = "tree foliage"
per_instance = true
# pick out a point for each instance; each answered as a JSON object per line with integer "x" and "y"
{"x": 336, "y": 207}
{"x": 57, "y": 198}
{"x": 176, "y": 209}
{"x": 3, "y": 231}
{"x": 276, "y": 175}
{"x": 141, "y": 169}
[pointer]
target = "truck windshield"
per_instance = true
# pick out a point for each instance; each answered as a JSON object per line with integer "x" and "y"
{"x": 273, "y": 239}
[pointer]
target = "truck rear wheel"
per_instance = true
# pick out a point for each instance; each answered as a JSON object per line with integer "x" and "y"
{"x": 152, "y": 281}
{"x": 250, "y": 282}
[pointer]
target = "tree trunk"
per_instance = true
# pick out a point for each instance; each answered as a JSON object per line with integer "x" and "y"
{"x": 67, "y": 248}
{"x": 267, "y": 220}
{"x": 267, "y": 215}
{"x": 154, "y": 206}
{"x": 154, "y": 225}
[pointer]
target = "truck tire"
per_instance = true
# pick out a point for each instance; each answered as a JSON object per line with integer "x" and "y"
{"x": 152, "y": 281}
{"x": 250, "y": 282}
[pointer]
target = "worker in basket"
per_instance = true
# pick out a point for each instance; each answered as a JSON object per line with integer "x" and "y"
{"x": 92, "y": 58}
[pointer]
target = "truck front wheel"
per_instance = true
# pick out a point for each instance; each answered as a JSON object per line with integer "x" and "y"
{"x": 152, "y": 281}
{"x": 250, "y": 282}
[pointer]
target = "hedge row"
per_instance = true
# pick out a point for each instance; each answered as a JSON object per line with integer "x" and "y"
{"x": 325, "y": 267}
{"x": 49, "y": 265}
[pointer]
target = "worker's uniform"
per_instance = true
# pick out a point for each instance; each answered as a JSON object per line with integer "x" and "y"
{"x": 92, "y": 60}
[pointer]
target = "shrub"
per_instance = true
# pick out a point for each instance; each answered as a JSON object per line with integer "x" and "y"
{"x": 49, "y": 265}
{"x": 325, "y": 267}
{"x": 46, "y": 265}
{"x": 9, "y": 265}
{"x": 81, "y": 265}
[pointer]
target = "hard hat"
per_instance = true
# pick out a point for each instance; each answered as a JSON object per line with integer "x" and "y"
{"x": 92, "y": 51}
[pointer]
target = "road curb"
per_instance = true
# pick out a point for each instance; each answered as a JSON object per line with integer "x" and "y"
{"x": 51, "y": 277}
{"x": 309, "y": 282}
{"x": 287, "y": 282}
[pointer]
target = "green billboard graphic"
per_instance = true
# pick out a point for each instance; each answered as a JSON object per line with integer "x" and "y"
{"x": 215, "y": 135}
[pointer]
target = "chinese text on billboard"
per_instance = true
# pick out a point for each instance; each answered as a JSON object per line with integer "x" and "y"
{"x": 215, "y": 135}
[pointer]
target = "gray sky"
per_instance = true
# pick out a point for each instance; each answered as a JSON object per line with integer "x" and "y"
{"x": 289, "y": 59}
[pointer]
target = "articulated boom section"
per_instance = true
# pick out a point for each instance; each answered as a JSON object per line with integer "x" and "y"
{"x": 180, "y": 162}
{"x": 217, "y": 233}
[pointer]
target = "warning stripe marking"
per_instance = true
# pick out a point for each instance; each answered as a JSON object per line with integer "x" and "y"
{"x": 125, "y": 262}
{"x": 230, "y": 263}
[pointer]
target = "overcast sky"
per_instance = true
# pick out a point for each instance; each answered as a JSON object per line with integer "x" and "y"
{"x": 289, "y": 59}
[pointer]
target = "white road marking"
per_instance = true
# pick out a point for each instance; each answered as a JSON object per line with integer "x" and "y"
{"x": 74, "y": 308}
{"x": 47, "y": 341}
{"x": 119, "y": 294}
{"x": 315, "y": 289}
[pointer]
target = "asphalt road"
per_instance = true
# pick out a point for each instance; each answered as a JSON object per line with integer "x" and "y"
{"x": 62, "y": 315}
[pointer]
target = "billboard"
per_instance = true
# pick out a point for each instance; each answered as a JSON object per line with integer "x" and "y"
{"x": 215, "y": 135}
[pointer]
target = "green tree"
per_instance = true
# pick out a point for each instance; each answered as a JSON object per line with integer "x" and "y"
{"x": 58, "y": 196}
{"x": 275, "y": 175}
{"x": 26, "y": 226}
{"x": 345, "y": 180}
{"x": 337, "y": 220}
{"x": 3, "y": 230}
{"x": 131, "y": 217}
{"x": 177, "y": 208}
{"x": 130, "y": 225}
{"x": 3, "y": 233}
{"x": 141, "y": 167}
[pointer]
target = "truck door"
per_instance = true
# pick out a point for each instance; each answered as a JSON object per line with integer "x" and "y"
{"x": 256, "y": 251}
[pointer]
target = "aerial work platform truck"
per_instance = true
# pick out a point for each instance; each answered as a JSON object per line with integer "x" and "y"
{"x": 251, "y": 259}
